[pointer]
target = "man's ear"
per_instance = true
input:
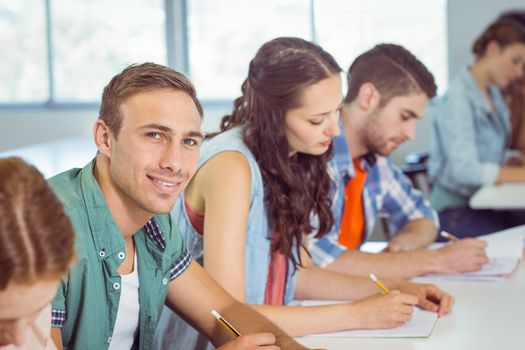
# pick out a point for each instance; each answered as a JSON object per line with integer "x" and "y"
{"x": 102, "y": 136}
{"x": 368, "y": 97}
{"x": 492, "y": 48}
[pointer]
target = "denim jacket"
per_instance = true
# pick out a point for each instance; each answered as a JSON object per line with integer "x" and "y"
{"x": 469, "y": 141}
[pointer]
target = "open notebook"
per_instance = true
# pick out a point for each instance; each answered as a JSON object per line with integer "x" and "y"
{"x": 420, "y": 326}
{"x": 505, "y": 250}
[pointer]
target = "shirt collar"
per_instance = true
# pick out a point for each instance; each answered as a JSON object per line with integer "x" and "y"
{"x": 478, "y": 98}
{"x": 105, "y": 232}
{"x": 343, "y": 157}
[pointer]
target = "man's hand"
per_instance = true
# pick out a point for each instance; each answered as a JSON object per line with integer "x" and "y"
{"x": 462, "y": 256}
{"x": 253, "y": 341}
{"x": 429, "y": 297}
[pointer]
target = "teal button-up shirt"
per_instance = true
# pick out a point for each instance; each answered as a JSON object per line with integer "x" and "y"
{"x": 87, "y": 301}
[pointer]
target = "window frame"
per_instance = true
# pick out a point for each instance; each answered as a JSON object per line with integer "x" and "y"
{"x": 177, "y": 51}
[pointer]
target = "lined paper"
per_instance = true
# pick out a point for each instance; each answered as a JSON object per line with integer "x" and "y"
{"x": 420, "y": 326}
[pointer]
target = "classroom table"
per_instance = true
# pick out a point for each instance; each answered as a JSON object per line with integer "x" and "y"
{"x": 503, "y": 197}
{"x": 487, "y": 315}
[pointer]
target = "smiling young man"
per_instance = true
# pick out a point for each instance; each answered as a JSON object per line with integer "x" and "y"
{"x": 131, "y": 259}
{"x": 388, "y": 90}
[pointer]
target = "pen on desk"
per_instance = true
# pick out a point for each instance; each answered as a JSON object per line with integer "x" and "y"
{"x": 225, "y": 323}
{"x": 449, "y": 236}
{"x": 379, "y": 284}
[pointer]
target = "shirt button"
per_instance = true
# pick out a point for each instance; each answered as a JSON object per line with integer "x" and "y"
{"x": 164, "y": 281}
{"x": 102, "y": 253}
{"x": 116, "y": 285}
{"x": 109, "y": 340}
{"x": 121, "y": 255}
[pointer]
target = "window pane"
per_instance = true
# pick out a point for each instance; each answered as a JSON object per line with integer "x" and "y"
{"x": 24, "y": 62}
{"x": 95, "y": 39}
{"x": 225, "y": 34}
{"x": 348, "y": 28}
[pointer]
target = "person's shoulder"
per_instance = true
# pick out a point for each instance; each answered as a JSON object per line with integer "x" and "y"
{"x": 172, "y": 235}
{"x": 459, "y": 88}
{"x": 168, "y": 226}
{"x": 227, "y": 168}
{"x": 383, "y": 161}
{"x": 229, "y": 139}
{"x": 66, "y": 186}
{"x": 385, "y": 167}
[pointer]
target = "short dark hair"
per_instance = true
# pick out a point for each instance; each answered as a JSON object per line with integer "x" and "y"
{"x": 507, "y": 29}
{"x": 138, "y": 78}
{"x": 393, "y": 70}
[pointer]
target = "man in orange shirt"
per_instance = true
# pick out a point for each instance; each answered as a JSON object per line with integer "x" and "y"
{"x": 388, "y": 90}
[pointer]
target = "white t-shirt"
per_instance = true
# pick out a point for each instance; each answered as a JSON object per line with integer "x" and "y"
{"x": 127, "y": 321}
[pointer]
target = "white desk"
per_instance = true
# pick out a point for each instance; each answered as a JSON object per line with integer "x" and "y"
{"x": 54, "y": 157}
{"x": 507, "y": 196}
{"x": 487, "y": 315}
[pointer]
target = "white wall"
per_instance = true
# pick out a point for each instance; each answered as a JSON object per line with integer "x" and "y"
{"x": 25, "y": 127}
{"x": 466, "y": 19}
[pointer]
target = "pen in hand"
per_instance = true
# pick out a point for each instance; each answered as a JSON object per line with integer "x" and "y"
{"x": 379, "y": 284}
{"x": 225, "y": 323}
{"x": 449, "y": 236}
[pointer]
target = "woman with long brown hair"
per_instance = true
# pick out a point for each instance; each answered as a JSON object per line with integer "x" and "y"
{"x": 36, "y": 249}
{"x": 262, "y": 185}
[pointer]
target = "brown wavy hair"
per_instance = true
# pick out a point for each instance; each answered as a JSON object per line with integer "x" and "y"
{"x": 36, "y": 236}
{"x": 296, "y": 188}
{"x": 506, "y": 30}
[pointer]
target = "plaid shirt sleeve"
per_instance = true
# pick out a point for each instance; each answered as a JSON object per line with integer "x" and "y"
{"x": 325, "y": 250}
{"x": 402, "y": 202}
{"x": 58, "y": 308}
{"x": 180, "y": 265}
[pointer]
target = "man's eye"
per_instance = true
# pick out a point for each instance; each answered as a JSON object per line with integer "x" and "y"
{"x": 154, "y": 135}
{"x": 190, "y": 142}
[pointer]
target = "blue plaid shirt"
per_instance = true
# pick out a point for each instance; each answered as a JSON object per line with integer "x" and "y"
{"x": 387, "y": 193}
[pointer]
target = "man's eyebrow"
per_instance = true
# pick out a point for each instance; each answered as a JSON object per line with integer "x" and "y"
{"x": 412, "y": 113}
{"x": 195, "y": 134}
{"x": 158, "y": 127}
{"x": 168, "y": 130}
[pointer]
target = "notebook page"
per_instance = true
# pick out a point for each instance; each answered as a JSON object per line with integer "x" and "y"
{"x": 420, "y": 326}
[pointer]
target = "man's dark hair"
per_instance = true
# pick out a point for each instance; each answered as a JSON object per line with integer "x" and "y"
{"x": 140, "y": 78}
{"x": 393, "y": 70}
